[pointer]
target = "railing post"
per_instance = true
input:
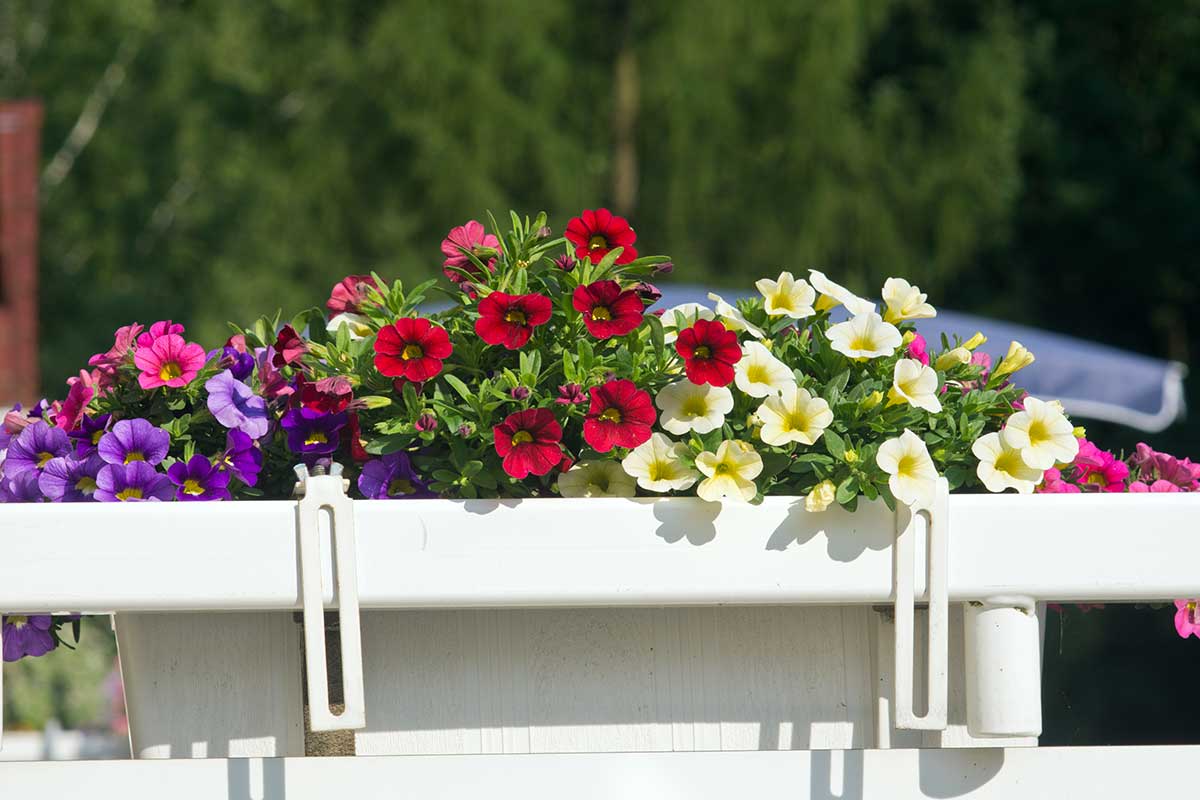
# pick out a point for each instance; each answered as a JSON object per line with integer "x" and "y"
{"x": 1004, "y": 681}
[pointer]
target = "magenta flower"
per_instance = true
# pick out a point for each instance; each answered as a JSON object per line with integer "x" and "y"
{"x": 26, "y": 635}
{"x": 1187, "y": 618}
{"x": 34, "y": 448}
{"x": 1053, "y": 483}
{"x": 132, "y": 440}
{"x": 426, "y": 422}
{"x": 1159, "y": 486}
{"x": 275, "y": 385}
{"x": 107, "y": 364}
{"x": 164, "y": 327}
{"x": 918, "y": 349}
{"x": 470, "y": 238}
{"x": 199, "y": 479}
{"x": 71, "y": 480}
{"x": 78, "y": 396}
{"x": 236, "y": 406}
{"x": 570, "y": 394}
{"x": 168, "y": 361}
{"x": 1096, "y": 468}
{"x": 136, "y": 481}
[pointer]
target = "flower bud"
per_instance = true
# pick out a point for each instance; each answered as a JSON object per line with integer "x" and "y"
{"x": 975, "y": 341}
{"x": 850, "y": 456}
{"x": 1079, "y": 432}
{"x": 908, "y": 337}
{"x": 1017, "y": 358}
{"x": 953, "y": 358}
{"x": 426, "y": 422}
{"x": 871, "y": 400}
{"x": 518, "y": 393}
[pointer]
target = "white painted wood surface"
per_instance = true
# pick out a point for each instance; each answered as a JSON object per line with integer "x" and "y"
{"x": 1061, "y": 773}
{"x": 592, "y": 552}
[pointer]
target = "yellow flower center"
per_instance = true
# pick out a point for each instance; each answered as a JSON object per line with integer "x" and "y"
{"x": 97, "y": 435}
{"x": 132, "y": 493}
{"x": 400, "y": 486}
{"x": 782, "y": 301}
{"x": 411, "y": 351}
{"x": 598, "y": 242}
{"x": 514, "y": 316}
{"x": 656, "y": 471}
{"x": 134, "y": 455}
{"x": 694, "y": 406}
{"x": 702, "y": 352}
{"x": 522, "y": 437}
{"x": 862, "y": 342}
{"x": 722, "y": 468}
{"x": 757, "y": 373}
{"x": 825, "y": 302}
{"x": 1009, "y": 462}
{"x": 18, "y": 621}
{"x": 600, "y": 312}
{"x": 611, "y": 415}
{"x": 44, "y": 458}
{"x": 316, "y": 437}
{"x": 796, "y": 421}
{"x": 1038, "y": 433}
{"x": 169, "y": 371}
{"x": 907, "y": 466}
{"x": 86, "y": 485}
{"x": 192, "y": 486}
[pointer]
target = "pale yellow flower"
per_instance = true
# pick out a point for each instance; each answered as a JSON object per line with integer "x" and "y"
{"x": 916, "y": 384}
{"x": 1042, "y": 433}
{"x": 912, "y": 474}
{"x": 834, "y": 295}
{"x": 759, "y": 373}
{"x": 1016, "y": 358}
{"x": 905, "y": 301}
{"x": 596, "y": 479}
{"x": 786, "y": 297}
{"x": 793, "y": 416}
{"x": 821, "y": 497}
{"x": 688, "y": 313}
{"x": 975, "y": 341}
{"x": 864, "y": 336}
{"x": 733, "y": 319}
{"x": 730, "y": 472}
{"x": 358, "y": 325}
{"x": 658, "y": 465}
{"x": 1002, "y": 467}
{"x": 688, "y": 407}
{"x": 953, "y": 358}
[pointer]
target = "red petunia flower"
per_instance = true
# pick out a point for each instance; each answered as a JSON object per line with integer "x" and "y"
{"x": 349, "y": 293}
{"x": 289, "y": 347}
{"x": 608, "y": 311}
{"x": 357, "y": 452}
{"x": 620, "y": 416}
{"x": 473, "y": 239}
{"x": 328, "y": 395}
{"x": 510, "y": 319}
{"x": 709, "y": 352}
{"x": 411, "y": 348}
{"x": 528, "y": 441}
{"x": 594, "y": 233}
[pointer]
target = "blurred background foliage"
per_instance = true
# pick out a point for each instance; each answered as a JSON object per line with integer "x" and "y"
{"x": 1035, "y": 160}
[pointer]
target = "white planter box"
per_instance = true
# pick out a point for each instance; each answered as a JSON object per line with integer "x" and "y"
{"x": 546, "y": 626}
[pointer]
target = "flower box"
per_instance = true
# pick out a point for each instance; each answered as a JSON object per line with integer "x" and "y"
{"x": 567, "y": 625}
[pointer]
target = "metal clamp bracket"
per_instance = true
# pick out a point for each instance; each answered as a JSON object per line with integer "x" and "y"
{"x": 326, "y": 493}
{"x": 904, "y": 568}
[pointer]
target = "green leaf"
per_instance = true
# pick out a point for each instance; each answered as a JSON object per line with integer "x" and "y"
{"x": 657, "y": 336}
{"x": 847, "y": 490}
{"x": 460, "y": 387}
{"x": 834, "y": 444}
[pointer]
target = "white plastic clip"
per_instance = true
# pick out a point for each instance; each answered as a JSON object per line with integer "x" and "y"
{"x": 327, "y": 493}
{"x": 904, "y": 573}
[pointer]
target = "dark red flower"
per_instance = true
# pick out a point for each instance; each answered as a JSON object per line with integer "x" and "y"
{"x": 328, "y": 395}
{"x": 570, "y": 394}
{"x": 357, "y": 452}
{"x": 594, "y": 233}
{"x": 528, "y": 441}
{"x": 289, "y": 347}
{"x": 648, "y": 292}
{"x": 509, "y": 319}
{"x": 620, "y": 416}
{"x": 412, "y": 348}
{"x": 349, "y": 293}
{"x": 709, "y": 352}
{"x": 607, "y": 310}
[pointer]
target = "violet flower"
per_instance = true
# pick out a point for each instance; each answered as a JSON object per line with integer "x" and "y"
{"x": 236, "y": 406}
{"x": 34, "y": 448}
{"x": 87, "y": 435}
{"x": 71, "y": 480}
{"x": 133, "y": 440}
{"x": 239, "y": 362}
{"x": 132, "y": 482}
{"x": 26, "y": 635}
{"x": 21, "y": 488}
{"x": 199, "y": 479}
{"x": 311, "y": 433}
{"x": 241, "y": 458}
{"x": 391, "y": 478}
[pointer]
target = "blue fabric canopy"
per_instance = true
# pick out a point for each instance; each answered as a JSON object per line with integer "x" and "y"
{"x": 1091, "y": 380}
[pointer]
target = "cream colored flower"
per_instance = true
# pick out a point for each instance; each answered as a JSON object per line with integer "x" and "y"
{"x": 793, "y": 416}
{"x": 905, "y": 301}
{"x": 596, "y": 479}
{"x": 953, "y": 358}
{"x": 975, "y": 341}
{"x": 359, "y": 326}
{"x": 730, "y": 472}
{"x": 912, "y": 475}
{"x": 1016, "y": 358}
{"x": 864, "y": 336}
{"x": 734, "y": 319}
{"x": 658, "y": 465}
{"x": 834, "y": 295}
{"x": 759, "y": 373}
{"x": 1042, "y": 433}
{"x": 1002, "y": 467}
{"x": 787, "y": 297}
{"x": 916, "y": 384}
{"x": 688, "y": 407}
{"x": 689, "y": 313}
{"x": 821, "y": 497}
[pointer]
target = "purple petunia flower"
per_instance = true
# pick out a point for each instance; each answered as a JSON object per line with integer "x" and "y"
{"x": 311, "y": 433}
{"x": 239, "y": 362}
{"x": 69, "y": 480}
{"x": 33, "y": 449}
{"x": 87, "y": 435}
{"x": 26, "y": 636}
{"x": 132, "y": 482}
{"x": 199, "y": 479}
{"x": 241, "y": 457}
{"x": 133, "y": 440}
{"x": 20, "y": 488}
{"x": 236, "y": 406}
{"x": 391, "y": 478}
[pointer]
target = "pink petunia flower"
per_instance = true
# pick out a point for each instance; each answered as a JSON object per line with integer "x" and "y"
{"x": 1096, "y": 468}
{"x": 80, "y": 394}
{"x": 1053, "y": 483}
{"x": 168, "y": 361}
{"x": 107, "y": 364}
{"x": 919, "y": 349}
{"x": 1159, "y": 485}
{"x": 1187, "y": 618}
{"x": 473, "y": 239}
{"x": 164, "y": 327}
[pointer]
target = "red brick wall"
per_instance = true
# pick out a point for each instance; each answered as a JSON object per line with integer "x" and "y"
{"x": 20, "y": 159}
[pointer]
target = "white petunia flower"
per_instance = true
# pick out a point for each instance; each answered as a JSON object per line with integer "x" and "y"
{"x": 786, "y": 297}
{"x": 905, "y": 301}
{"x": 1042, "y": 433}
{"x": 689, "y": 312}
{"x": 688, "y": 407}
{"x": 734, "y": 319}
{"x": 864, "y": 336}
{"x": 912, "y": 475}
{"x": 759, "y": 373}
{"x": 793, "y": 416}
{"x": 360, "y": 326}
{"x": 730, "y": 472}
{"x": 596, "y": 479}
{"x": 1002, "y": 467}
{"x": 658, "y": 465}
{"x": 916, "y": 384}
{"x": 833, "y": 295}
{"x": 821, "y": 497}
